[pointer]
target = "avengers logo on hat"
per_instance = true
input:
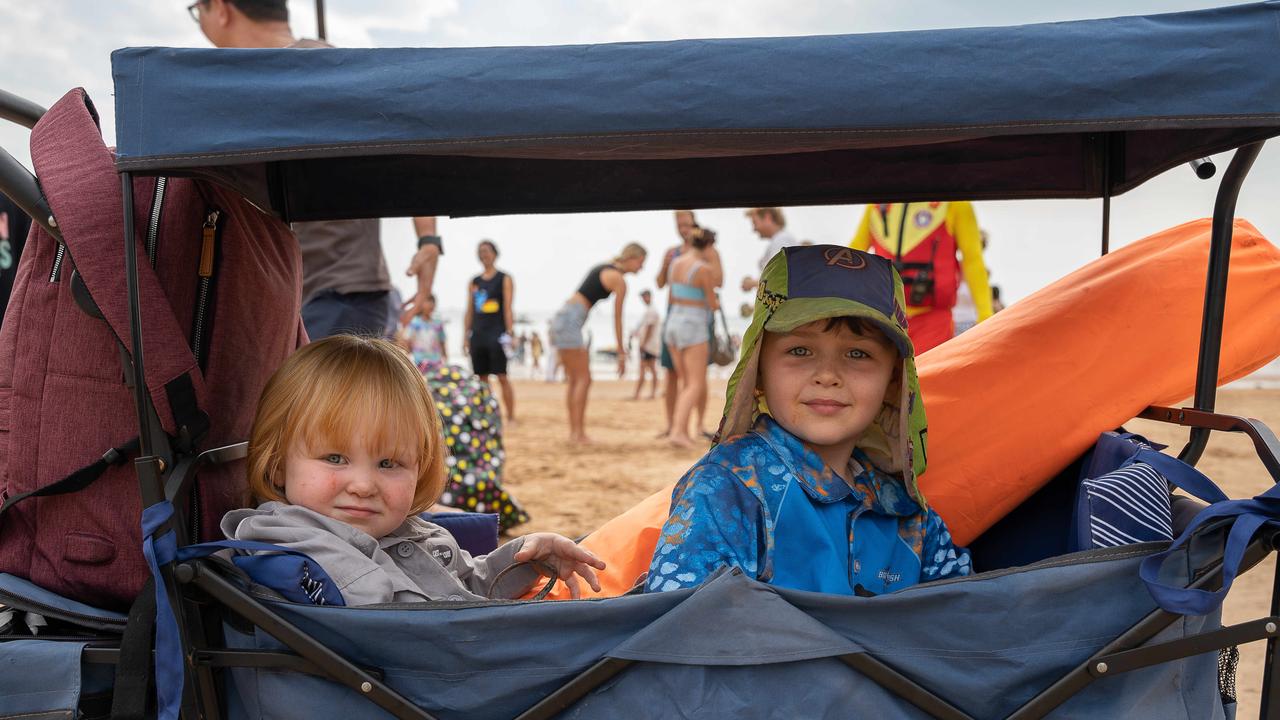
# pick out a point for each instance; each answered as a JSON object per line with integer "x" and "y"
{"x": 844, "y": 258}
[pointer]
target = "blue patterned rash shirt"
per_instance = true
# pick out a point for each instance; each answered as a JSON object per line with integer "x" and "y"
{"x": 765, "y": 503}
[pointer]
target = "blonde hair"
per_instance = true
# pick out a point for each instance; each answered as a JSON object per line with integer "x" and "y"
{"x": 337, "y": 389}
{"x": 631, "y": 250}
{"x": 773, "y": 213}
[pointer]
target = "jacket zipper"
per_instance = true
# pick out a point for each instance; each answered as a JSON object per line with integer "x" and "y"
{"x": 153, "y": 224}
{"x": 59, "y": 254}
{"x": 209, "y": 236}
{"x": 902, "y": 229}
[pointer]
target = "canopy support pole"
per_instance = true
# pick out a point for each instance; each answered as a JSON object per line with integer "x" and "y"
{"x": 320, "y": 32}
{"x": 1215, "y": 294}
{"x": 150, "y": 467}
{"x": 1106, "y": 196}
{"x": 1271, "y": 672}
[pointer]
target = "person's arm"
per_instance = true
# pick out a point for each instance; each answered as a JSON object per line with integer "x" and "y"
{"x": 862, "y": 236}
{"x": 964, "y": 226}
{"x": 941, "y": 558}
{"x": 508, "y": 305}
{"x": 707, "y": 278}
{"x": 714, "y": 267}
{"x": 665, "y": 269}
{"x": 467, "y": 318}
{"x": 423, "y": 264}
{"x": 619, "y": 297}
{"x": 714, "y": 522}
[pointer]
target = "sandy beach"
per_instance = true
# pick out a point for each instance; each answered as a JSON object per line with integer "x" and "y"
{"x": 574, "y": 490}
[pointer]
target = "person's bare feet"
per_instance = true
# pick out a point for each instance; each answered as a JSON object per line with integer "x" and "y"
{"x": 580, "y": 440}
{"x": 680, "y": 441}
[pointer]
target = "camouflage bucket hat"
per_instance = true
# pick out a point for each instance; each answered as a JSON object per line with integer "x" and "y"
{"x": 803, "y": 284}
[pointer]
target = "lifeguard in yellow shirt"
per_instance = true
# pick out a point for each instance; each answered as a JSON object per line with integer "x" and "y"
{"x": 922, "y": 240}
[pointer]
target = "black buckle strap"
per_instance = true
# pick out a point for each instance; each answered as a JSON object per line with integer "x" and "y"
{"x": 78, "y": 480}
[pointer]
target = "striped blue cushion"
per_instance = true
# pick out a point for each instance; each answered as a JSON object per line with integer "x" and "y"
{"x": 1128, "y": 505}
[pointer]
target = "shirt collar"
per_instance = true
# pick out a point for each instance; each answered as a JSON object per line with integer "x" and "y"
{"x": 878, "y": 491}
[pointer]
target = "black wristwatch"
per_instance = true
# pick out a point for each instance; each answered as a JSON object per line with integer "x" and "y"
{"x": 425, "y": 240}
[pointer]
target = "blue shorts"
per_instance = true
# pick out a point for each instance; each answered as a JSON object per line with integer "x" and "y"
{"x": 566, "y": 326}
{"x": 333, "y": 313}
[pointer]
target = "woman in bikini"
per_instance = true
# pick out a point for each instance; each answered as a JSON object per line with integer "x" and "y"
{"x": 691, "y": 302}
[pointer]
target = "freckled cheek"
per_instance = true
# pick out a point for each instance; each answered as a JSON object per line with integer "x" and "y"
{"x": 321, "y": 485}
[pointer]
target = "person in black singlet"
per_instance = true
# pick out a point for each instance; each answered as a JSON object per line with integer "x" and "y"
{"x": 566, "y": 330}
{"x": 486, "y": 333}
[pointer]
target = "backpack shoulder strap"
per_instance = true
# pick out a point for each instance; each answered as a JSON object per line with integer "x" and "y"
{"x": 77, "y": 173}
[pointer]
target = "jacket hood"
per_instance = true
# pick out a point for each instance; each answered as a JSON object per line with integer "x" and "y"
{"x": 802, "y": 284}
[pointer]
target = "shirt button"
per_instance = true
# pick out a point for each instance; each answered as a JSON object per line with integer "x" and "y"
{"x": 404, "y": 549}
{"x": 857, "y": 566}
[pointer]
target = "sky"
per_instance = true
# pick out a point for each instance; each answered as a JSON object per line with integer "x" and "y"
{"x": 67, "y": 43}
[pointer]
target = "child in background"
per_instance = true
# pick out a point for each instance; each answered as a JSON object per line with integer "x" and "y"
{"x": 346, "y": 450}
{"x": 812, "y": 484}
{"x": 424, "y": 336}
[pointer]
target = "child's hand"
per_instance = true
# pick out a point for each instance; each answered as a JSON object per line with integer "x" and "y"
{"x": 564, "y": 555}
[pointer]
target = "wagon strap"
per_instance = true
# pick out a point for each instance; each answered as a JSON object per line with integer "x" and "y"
{"x": 1249, "y": 517}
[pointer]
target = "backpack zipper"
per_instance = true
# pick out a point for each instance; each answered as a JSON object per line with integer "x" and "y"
{"x": 153, "y": 232}
{"x": 59, "y": 254}
{"x": 153, "y": 224}
{"x": 209, "y": 236}
{"x": 199, "y": 326}
{"x": 26, "y": 604}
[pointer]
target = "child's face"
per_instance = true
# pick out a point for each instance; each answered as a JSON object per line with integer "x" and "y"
{"x": 371, "y": 491}
{"x": 427, "y": 307}
{"x": 826, "y": 386}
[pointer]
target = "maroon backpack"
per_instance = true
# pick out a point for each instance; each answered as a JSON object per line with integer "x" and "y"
{"x": 219, "y": 282}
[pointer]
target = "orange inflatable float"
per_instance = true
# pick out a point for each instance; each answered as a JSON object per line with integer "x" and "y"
{"x": 1017, "y": 398}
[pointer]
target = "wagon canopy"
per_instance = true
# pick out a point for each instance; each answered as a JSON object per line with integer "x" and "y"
{"x": 1058, "y": 110}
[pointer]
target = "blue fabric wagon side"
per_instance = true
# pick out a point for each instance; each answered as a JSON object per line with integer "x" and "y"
{"x": 738, "y": 648}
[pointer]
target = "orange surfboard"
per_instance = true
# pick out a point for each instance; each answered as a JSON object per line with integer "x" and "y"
{"x": 1014, "y": 400}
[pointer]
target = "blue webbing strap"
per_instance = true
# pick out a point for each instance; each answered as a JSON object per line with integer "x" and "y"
{"x": 1249, "y": 515}
{"x": 169, "y": 668}
{"x": 170, "y": 672}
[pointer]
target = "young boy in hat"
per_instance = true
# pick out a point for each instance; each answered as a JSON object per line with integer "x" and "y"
{"x": 812, "y": 483}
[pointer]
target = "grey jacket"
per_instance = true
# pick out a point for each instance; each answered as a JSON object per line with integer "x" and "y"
{"x": 417, "y": 562}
